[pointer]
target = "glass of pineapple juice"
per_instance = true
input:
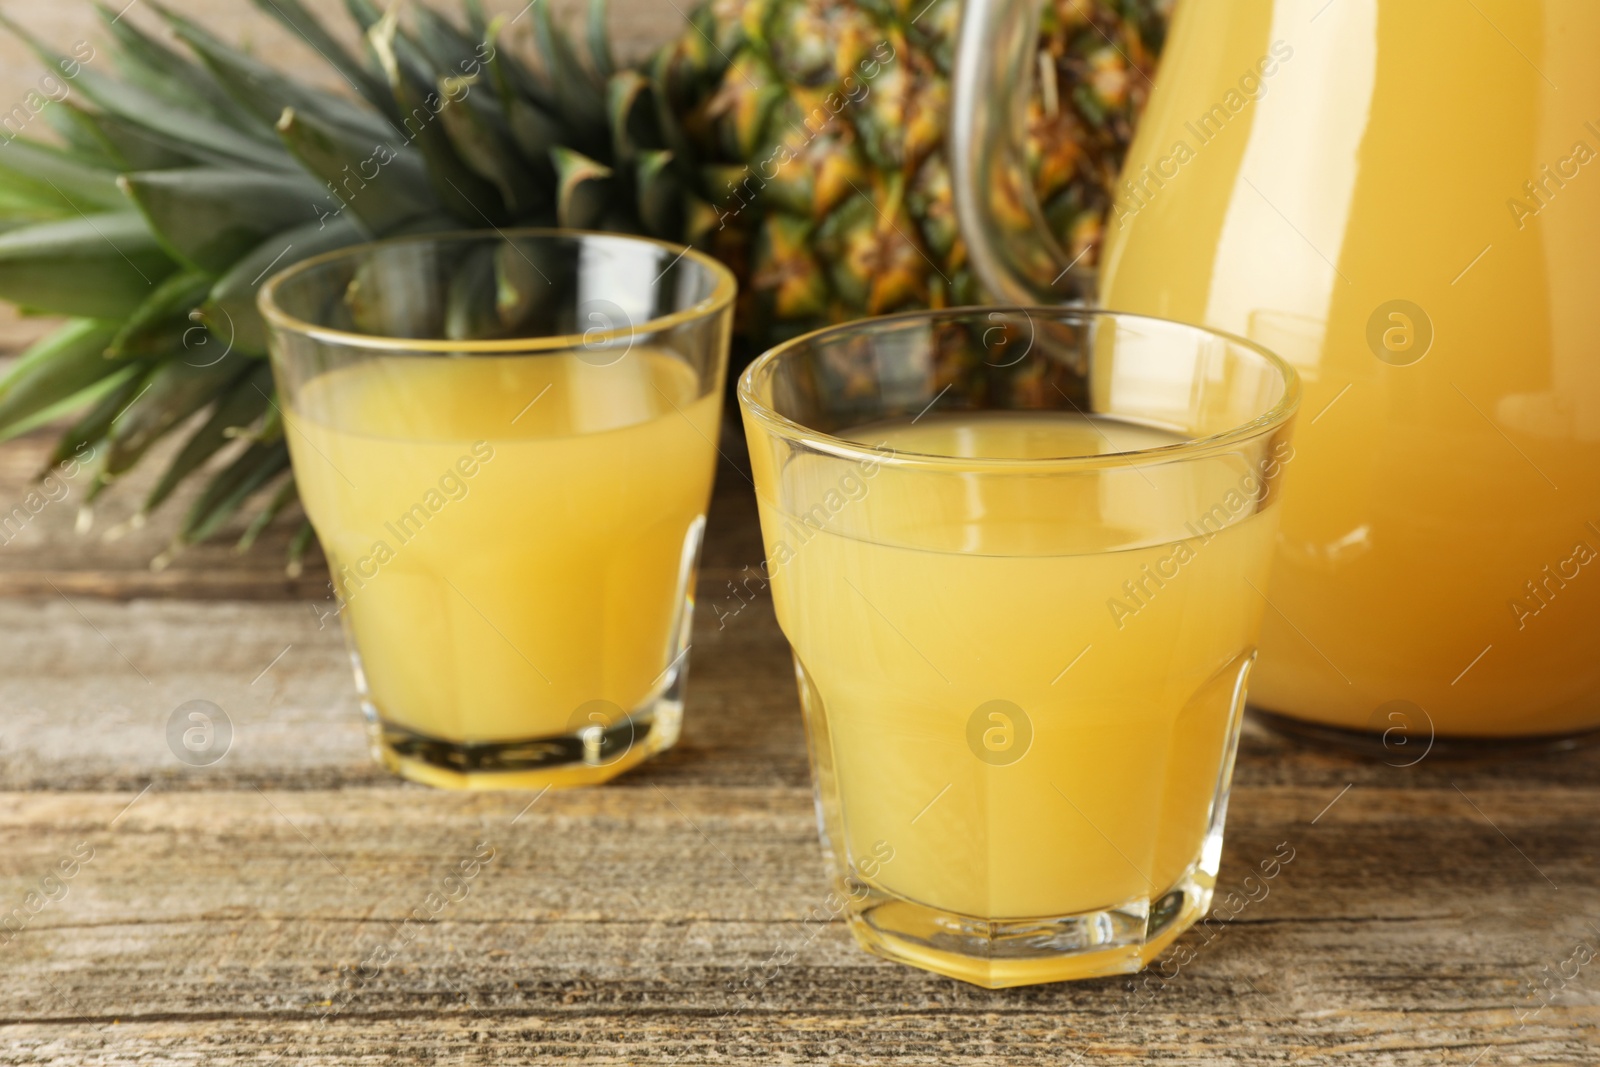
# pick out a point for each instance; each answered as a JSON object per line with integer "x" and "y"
{"x": 505, "y": 443}
{"x": 1021, "y": 558}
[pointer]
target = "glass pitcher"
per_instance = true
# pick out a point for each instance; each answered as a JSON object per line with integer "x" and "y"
{"x": 1403, "y": 200}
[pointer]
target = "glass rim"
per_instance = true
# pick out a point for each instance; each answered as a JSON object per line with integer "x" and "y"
{"x": 1278, "y": 415}
{"x": 720, "y": 299}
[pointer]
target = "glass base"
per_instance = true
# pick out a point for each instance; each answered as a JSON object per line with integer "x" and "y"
{"x": 587, "y": 756}
{"x": 997, "y": 954}
{"x": 1377, "y": 743}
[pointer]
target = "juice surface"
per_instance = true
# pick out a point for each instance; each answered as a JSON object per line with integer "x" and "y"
{"x": 1303, "y": 181}
{"x": 922, "y": 599}
{"x": 514, "y": 537}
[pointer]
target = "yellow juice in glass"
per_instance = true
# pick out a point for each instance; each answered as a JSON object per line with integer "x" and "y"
{"x": 514, "y": 538}
{"x": 1404, "y": 205}
{"x": 1024, "y": 693}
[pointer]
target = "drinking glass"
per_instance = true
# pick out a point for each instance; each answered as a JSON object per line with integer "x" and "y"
{"x": 505, "y": 442}
{"x": 1021, "y": 557}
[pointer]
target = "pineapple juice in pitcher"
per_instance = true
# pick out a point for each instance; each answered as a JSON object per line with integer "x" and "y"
{"x": 1402, "y": 200}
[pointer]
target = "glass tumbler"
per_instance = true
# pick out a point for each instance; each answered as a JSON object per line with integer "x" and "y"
{"x": 1021, "y": 558}
{"x": 505, "y": 442}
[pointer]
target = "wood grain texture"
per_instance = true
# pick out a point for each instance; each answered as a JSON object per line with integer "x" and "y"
{"x": 253, "y": 912}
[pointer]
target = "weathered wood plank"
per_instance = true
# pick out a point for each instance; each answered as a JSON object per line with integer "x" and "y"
{"x": 1398, "y": 930}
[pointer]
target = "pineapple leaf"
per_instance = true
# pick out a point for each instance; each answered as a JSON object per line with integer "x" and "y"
{"x": 209, "y": 217}
{"x": 398, "y": 47}
{"x": 266, "y": 92}
{"x": 97, "y": 266}
{"x": 293, "y": 14}
{"x": 194, "y": 131}
{"x": 631, "y": 115}
{"x": 131, "y": 147}
{"x": 153, "y": 66}
{"x": 462, "y": 192}
{"x": 94, "y": 424}
{"x": 365, "y": 13}
{"x": 536, "y": 133}
{"x": 255, "y": 467}
{"x": 56, "y": 369}
{"x": 92, "y": 397}
{"x": 661, "y": 195}
{"x": 287, "y": 493}
{"x": 605, "y": 64}
{"x": 476, "y": 19}
{"x": 668, "y": 79}
{"x": 83, "y": 137}
{"x": 471, "y": 307}
{"x": 237, "y": 408}
{"x": 512, "y": 79}
{"x": 299, "y": 545}
{"x": 231, "y": 311}
{"x": 523, "y": 291}
{"x": 579, "y": 97}
{"x": 582, "y": 194}
{"x": 149, "y": 331}
{"x": 60, "y": 180}
{"x": 487, "y": 148}
{"x": 443, "y": 43}
{"x": 175, "y": 391}
{"x": 382, "y": 187}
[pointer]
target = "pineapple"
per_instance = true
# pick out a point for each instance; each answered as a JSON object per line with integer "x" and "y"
{"x": 798, "y": 140}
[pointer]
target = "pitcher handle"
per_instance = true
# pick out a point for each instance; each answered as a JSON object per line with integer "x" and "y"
{"x": 1008, "y": 241}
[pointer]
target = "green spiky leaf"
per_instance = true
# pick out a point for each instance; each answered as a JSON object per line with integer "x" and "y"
{"x": 241, "y": 405}
{"x": 64, "y": 182}
{"x": 267, "y": 92}
{"x": 583, "y": 190}
{"x": 93, "y": 424}
{"x": 97, "y": 266}
{"x": 230, "y": 311}
{"x": 176, "y": 390}
{"x": 129, "y": 146}
{"x": 254, "y": 468}
{"x": 486, "y": 146}
{"x": 149, "y": 331}
{"x": 55, "y": 371}
{"x": 209, "y": 217}
{"x": 174, "y": 78}
{"x": 461, "y": 191}
{"x": 379, "y": 187}
{"x": 187, "y": 129}
{"x": 285, "y": 495}
{"x": 293, "y": 14}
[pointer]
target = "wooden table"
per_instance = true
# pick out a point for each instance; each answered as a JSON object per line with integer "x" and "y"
{"x": 248, "y": 911}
